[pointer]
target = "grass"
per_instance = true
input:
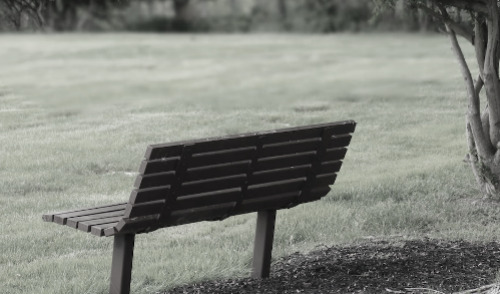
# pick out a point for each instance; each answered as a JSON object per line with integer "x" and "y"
{"x": 77, "y": 112}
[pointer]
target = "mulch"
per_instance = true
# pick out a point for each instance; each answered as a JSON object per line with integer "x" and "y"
{"x": 374, "y": 266}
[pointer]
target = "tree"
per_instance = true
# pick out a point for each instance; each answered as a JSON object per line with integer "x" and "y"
{"x": 478, "y": 22}
{"x": 14, "y": 10}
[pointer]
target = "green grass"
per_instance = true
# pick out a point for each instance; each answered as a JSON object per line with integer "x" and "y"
{"x": 77, "y": 112}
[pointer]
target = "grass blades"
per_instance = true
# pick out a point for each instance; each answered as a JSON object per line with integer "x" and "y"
{"x": 77, "y": 112}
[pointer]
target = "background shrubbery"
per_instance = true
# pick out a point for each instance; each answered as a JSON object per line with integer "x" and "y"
{"x": 207, "y": 15}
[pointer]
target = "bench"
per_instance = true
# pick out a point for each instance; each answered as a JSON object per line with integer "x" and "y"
{"x": 212, "y": 179}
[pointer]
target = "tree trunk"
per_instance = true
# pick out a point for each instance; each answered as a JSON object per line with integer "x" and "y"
{"x": 183, "y": 19}
{"x": 283, "y": 11}
{"x": 482, "y": 129}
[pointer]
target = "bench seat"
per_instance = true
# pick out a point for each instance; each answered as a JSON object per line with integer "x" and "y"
{"x": 94, "y": 220}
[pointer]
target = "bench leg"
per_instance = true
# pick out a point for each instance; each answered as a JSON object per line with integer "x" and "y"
{"x": 121, "y": 264}
{"x": 263, "y": 245}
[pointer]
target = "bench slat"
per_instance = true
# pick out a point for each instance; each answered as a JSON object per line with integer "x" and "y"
{"x": 73, "y": 222}
{"x": 281, "y": 174}
{"x": 225, "y": 156}
{"x": 87, "y": 225}
{"x": 280, "y": 201}
{"x": 98, "y": 230}
{"x": 159, "y": 151}
{"x": 298, "y": 159}
{"x": 149, "y": 194}
{"x": 154, "y": 180}
{"x": 205, "y": 199}
{"x": 334, "y": 154}
{"x": 214, "y": 184}
{"x": 50, "y": 217}
{"x": 144, "y": 209}
{"x": 302, "y": 133}
{"x": 300, "y": 146}
{"x": 293, "y": 172}
{"x": 213, "y": 212}
{"x": 270, "y": 163}
{"x": 159, "y": 165}
{"x": 325, "y": 179}
{"x": 62, "y": 218}
{"x": 216, "y": 171}
{"x": 273, "y": 188}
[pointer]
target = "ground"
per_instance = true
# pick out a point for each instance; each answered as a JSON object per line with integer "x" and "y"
{"x": 374, "y": 266}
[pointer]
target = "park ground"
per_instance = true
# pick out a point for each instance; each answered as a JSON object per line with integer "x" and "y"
{"x": 78, "y": 110}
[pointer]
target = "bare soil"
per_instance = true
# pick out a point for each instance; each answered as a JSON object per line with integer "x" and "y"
{"x": 407, "y": 266}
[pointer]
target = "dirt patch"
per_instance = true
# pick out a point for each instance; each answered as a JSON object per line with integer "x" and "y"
{"x": 373, "y": 267}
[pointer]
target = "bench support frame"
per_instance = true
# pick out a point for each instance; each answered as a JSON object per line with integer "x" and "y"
{"x": 121, "y": 264}
{"x": 263, "y": 244}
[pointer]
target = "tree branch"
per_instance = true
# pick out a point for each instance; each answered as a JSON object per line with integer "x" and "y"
{"x": 484, "y": 146}
{"x": 471, "y": 5}
{"x": 480, "y": 36}
{"x": 478, "y": 86}
{"x": 490, "y": 72}
{"x": 460, "y": 30}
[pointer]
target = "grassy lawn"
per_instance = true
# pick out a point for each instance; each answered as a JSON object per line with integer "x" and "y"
{"x": 77, "y": 112}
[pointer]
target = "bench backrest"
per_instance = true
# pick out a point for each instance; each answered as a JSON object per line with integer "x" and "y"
{"x": 212, "y": 179}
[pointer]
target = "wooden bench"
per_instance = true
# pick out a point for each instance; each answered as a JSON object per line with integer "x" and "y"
{"x": 215, "y": 178}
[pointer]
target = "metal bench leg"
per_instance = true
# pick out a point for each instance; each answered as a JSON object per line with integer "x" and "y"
{"x": 263, "y": 245}
{"x": 121, "y": 264}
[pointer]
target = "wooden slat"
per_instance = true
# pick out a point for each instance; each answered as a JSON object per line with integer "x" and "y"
{"x": 330, "y": 166}
{"x": 335, "y": 154}
{"x": 289, "y": 147}
{"x": 211, "y": 185}
{"x": 73, "y": 222}
{"x": 279, "y": 201}
{"x": 325, "y": 179}
{"x": 315, "y": 194}
{"x": 204, "y": 145}
{"x": 87, "y": 225}
{"x": 158, "y": 165}
{"x": 149, "y": 194}
{"x": 273, "y": 188}
{"x": 136, "y": 225}
{"x": 159, "y": 152}
{"x": 99, "y": 229}
{"x": 62, "y": 218}
{"x": 110, "y": 231}
{"x": 212, "y": 212}
{"x": 154, "y": 180}
{"x": 225, "y": 156}
{"x": 276, "y": 201}
{"x": 205, "y": 199}
{"x": 216, "y": 171}
{"x": 307, "y": 132}
{"x": 50, "y": 217}
{"x": 291, "y": 172}
{"x": 144, "y": 209}
{"x": 277, "y": 162}
{"x": 339, "y": 141}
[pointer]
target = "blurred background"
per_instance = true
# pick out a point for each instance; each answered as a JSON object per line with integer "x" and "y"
{"x": 305, "y": 16}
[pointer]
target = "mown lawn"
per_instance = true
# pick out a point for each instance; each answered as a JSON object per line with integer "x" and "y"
{"x": 77, "y": 112}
